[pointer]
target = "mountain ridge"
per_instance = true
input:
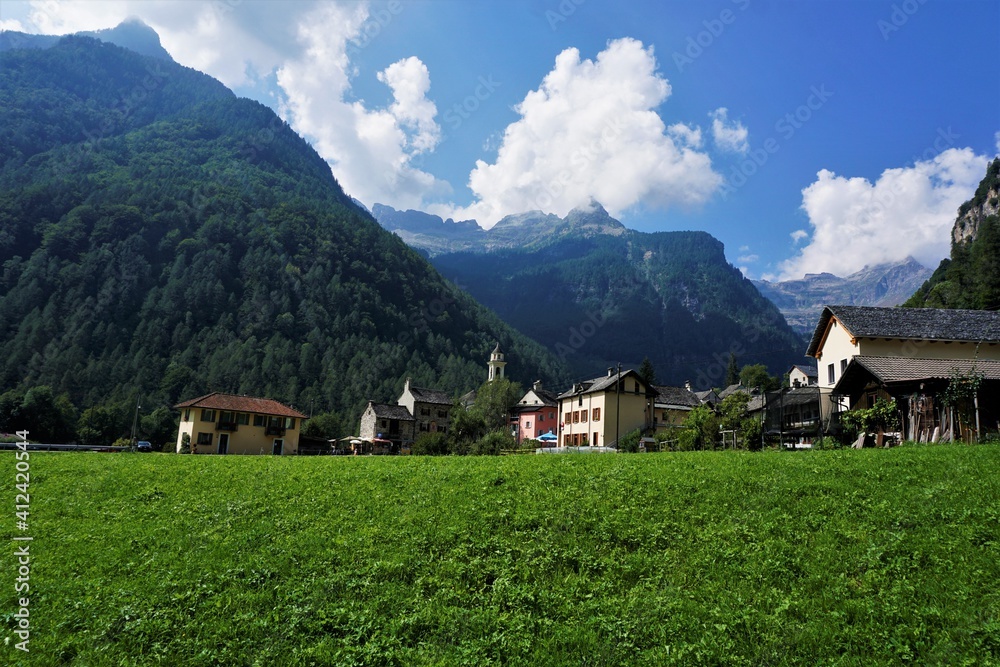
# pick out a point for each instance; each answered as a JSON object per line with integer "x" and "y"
{"x": 802, "y": 300}
{"x": 598, "y": 293}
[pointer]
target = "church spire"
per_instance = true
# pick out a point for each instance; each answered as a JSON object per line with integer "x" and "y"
{"x": 496, "y": 364}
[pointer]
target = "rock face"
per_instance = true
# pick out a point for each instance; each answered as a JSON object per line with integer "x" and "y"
{"x": 970, "y": 277}
{"x": 966, "y": 227}
{"x": 801, "y": 301}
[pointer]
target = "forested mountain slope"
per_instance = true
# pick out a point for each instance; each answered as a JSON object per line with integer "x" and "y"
{"x": 597, "y": 293}
{"x": 970, "y": 278}
{"x": 159, "y": 236}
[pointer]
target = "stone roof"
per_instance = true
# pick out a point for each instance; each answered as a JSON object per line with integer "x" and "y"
{"x": 808, "y": 371}
{"x": 423, "y": 395}
{"x": 897, "y": 369}
{"x": 910, "y": 323}
{"x": 387, "y": 411}
{"x": 676, "y": 396}
{"x": 234, "y": 403}
{"x": 732, "y": 389}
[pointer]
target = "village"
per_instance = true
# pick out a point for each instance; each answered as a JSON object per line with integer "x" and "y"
{"x": 940, "y": 369}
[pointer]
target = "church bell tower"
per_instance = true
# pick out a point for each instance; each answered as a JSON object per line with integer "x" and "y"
{"x": 496, "y": 364}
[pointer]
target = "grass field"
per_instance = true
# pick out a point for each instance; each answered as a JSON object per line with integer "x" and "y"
{"x": 874, "y": 557}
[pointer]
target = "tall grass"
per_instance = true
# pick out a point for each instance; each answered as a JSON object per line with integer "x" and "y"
{"x": 885, "y": 557}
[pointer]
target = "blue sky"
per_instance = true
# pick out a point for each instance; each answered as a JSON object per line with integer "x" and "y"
{"x": 807, "y": 136}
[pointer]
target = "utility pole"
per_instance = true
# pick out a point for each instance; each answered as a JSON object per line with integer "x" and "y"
{"x": 618, "y": 408}
{"x": 135, "y": 420}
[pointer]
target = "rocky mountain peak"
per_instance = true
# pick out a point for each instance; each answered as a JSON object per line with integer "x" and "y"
{"x": 985, "y": 203}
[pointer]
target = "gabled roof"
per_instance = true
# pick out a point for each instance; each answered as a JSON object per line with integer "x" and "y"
{"x": 732, "y": 389}
{"x": 600, "y": 384}
{"x": 548, "y": 398}
{"x": 387, "y": 411}
{"x": 423, "y": 395}
{"x": 677, "y": 396}
{"x": 234, "y": 403}
{"x": 890, "y": 370}
{"x": 910, "y": 323}
{"x": 707, "y": 396}
{"x": 808, "y": 371}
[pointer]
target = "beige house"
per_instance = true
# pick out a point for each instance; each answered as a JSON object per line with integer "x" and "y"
{"x": 672, "y": 406}
{"x": 846, "y": 332}
{"x": 597, "y": 412}
{"x": 229, "y": 424}
{"x": 905, "y": 353}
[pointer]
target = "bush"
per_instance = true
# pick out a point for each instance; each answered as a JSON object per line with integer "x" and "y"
{"x": 493, "y": 443}
{"x": 687, "y": 440}
{"x": 630, "y": 441}
{"x": 430, "y": 444}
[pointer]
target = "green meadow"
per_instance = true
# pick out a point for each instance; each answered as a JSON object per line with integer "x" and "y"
{"x": 874, "y": 557}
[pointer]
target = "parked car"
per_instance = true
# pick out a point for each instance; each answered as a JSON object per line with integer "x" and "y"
{"x": 143, "y": 446}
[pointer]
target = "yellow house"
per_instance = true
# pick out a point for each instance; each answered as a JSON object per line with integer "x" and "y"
{"x": 229, "y": 424}
{"x": 597, "y": 412}
{"x": 846, "y": 332}
{"x": 909, "y": 354}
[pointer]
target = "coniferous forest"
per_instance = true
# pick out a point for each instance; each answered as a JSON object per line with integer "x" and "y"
{"x": 161, "y": 238}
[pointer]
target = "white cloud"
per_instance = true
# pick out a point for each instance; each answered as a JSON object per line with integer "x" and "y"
{"x": 12, "y": 24}
{"x": 997, "y": 138}
{"x": 730, "y": 137}
{"x": 686, "y": 135}
{"x": 591, "y": 130}
{"x": 370, "y": 151}
{"x": 748, "y": 259}
{"x": 410, "y": 81}
{"x": 798, "y": 236}
{"x": 907, "y": 211}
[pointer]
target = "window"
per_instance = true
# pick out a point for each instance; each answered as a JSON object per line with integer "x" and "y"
{"x": 527, "y": 424}
{"x": 597, "y": 415}
{"x": 581, "y": 401}
{"x": 243, "y": 419}
{"x": 442, "y": 414}
{"x": 187, "y": 415}
{"x": 637, "y": 386}
{"x": 583, "y": 416}
{"x": 208, "y": 415}
{"x": 204, "y": 438}
{"x": 383, "y": 423}
{"x": 290, "y": 423}
{"x": 831, "y": 374}
{"x": 425, "y": 412}
{"x": 576, "y": 416}
{"x": 843, "y": 366}
{"x": 425, "y": 427}
{"x": 541, "y": 418}
{"x": 552, "y": 414}
{"x": 567, "y": 439}
{"x": 258, "y": 420}
{"x": 568, "y": 418}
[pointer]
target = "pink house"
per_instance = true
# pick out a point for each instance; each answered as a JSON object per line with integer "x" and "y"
{"x": 537, "y": 414}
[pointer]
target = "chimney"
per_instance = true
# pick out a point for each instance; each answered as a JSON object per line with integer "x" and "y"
{"x": 611, "y": 372}
{"x": 687, "y": 385}
{"x": 537, "y": 386}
